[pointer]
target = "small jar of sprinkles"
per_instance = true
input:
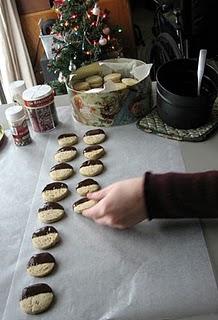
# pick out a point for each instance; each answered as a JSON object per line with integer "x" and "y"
{"x": 17, "y": 121}
{"x": 39, "y": 101}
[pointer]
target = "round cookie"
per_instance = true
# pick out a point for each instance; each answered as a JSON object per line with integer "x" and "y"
{"x": 129, "y": 81}
{"x": 119, "y": 86}
{"x": 45, "y": 237}
{"x": 91, "y": 168}
{"x": 50, "y": 212}
{"x": 94, "y": 81}
{"x": 61, "y": 171}
{"x": 65, "y": 154}
{"x": 115, "y": 77}
{"x": 94, "y": 136}
{"x": 81, "y": 86}
{"x": 55, "y": 191}
{"x": 83, "y": 204}
{"x": 67, "y": 139}
{"x": 86, "y": 186}
{"x": 36, "y": 298}
{"x": 93, "y": 152}
{"x": 41, "y": 264}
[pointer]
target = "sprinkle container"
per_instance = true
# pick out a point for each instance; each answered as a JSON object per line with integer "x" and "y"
{"x": 39, "y": 101}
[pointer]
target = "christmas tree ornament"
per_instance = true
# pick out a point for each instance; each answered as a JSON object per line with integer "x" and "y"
{"x": 106, "y": 31}
{"x": 102, "y": 41}
{"x": 82, "y": 36}
{"x": 72, "y": 66}
{"x": 96, "y": 10}
{"x": 61, "y": 77}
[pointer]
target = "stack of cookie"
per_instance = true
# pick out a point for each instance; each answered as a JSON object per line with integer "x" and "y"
{"x": 37, "y": 298}
{"x": 98, "y": 81}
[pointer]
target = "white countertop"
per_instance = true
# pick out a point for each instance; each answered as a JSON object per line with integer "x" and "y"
{"x": 197, "y": 157}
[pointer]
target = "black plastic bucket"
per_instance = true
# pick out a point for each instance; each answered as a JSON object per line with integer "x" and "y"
{"x": 177, "y": 101}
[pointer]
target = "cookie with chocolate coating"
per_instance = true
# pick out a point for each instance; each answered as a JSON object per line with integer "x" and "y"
{"x": 61, "y": 171}
{"x": 83, "y": 204}
{"x": 91, "y": 168}
{"x": 93, "y": 152}
{"x": 45, "y": 237}
{"x": 41, "y": 264}
{"x": 55, "y": 191}
{"x": 86, "y": 186}
{"x": 94, "y": 136}
{"x": 36, "y": 298}
{"x": 65, "y": 154}
{"x": 67, "y": 139}
{"x": 50, "y": 212}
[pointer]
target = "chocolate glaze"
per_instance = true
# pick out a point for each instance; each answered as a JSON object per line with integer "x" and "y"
{"x": 64, "y": 149}
{"x": 92, "y": 148}
{"x": 67, "y": 135}
{"x": 86, "y": 182}
{"x": 91, "y": 163}
{"x": 40, "y": 258}
{"x": 80, "y": 201}
{"x": 94, "y": 132}
{"x": 55, "y": 185}
{"x": 61, "y": 166}
{"x": 44, "y": 231}
{"x": 34, "y": 290}
{"x": 51, "y": 205}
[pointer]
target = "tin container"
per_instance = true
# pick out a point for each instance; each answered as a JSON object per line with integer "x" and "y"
{"x": 39, "y": 102}
{"x": 112, "y": 107}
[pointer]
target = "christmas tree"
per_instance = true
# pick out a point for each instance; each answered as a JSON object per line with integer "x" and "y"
{"x": 82, "y": 35}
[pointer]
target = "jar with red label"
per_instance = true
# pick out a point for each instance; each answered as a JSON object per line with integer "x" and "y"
{"x": 17, "y": 121}
{"x": 39, "y": 102}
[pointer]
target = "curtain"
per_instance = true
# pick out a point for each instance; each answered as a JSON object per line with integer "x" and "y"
{"x": 15, "y": 63}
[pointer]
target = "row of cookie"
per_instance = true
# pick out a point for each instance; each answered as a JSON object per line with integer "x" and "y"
{"x": 38, "y": 297}
{"x": 97, "y": 81}
{"x": 90, "y": 168}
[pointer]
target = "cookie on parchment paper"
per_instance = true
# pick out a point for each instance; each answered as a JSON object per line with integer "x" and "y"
{"x": 67, "y": 139}
{"x": 36, "y": 298}
{"x": 55, "y": 191}
{"x": 83, "y": 204}
{"x": 93, "y": 152}
{"x": 94, "y": 136}
{"x": 45, "y": 237}
{"x": 65, "y": 154}
{"x": 86, "y": 186}
{"x": 41, "y": 264}
{"x": 61, "y": 171}
{"x": 91, "y": 168}
{"x": 50, "y": 212}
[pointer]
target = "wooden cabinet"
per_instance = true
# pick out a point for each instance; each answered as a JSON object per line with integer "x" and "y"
{"x": 120, "y": 14}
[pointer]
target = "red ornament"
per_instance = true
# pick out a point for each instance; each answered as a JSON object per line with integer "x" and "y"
{"x": 58, "y": 3}
{"x": 106, "y": 31}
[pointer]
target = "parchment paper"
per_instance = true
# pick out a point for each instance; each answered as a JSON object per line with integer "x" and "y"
{"x": 154, "y": 271}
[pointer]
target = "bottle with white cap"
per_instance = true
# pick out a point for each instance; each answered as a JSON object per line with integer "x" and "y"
{"x": 15, "y": 116}
{"x": 16, "y": 89}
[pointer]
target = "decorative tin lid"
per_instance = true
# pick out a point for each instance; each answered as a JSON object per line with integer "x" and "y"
{"x": 37, "y": 92}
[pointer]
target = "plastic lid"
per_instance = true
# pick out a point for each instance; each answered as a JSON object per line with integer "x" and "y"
{"x": 37, "y": 92}
{"x": 17, "y": 87}
{"x": 14, "y": 113}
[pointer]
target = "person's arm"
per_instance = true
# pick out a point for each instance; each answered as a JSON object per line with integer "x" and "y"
{"x": 181, "y": 195}
{"x": 156, "y": 196}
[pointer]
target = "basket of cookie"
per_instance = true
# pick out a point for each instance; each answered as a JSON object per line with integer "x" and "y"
{"x": 110, "y": 92}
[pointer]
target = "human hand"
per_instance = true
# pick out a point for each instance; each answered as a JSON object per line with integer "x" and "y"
{"x": 120, "y": 205}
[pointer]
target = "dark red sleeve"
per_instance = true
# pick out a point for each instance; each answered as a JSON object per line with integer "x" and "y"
{"x": 181, "y": 195}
